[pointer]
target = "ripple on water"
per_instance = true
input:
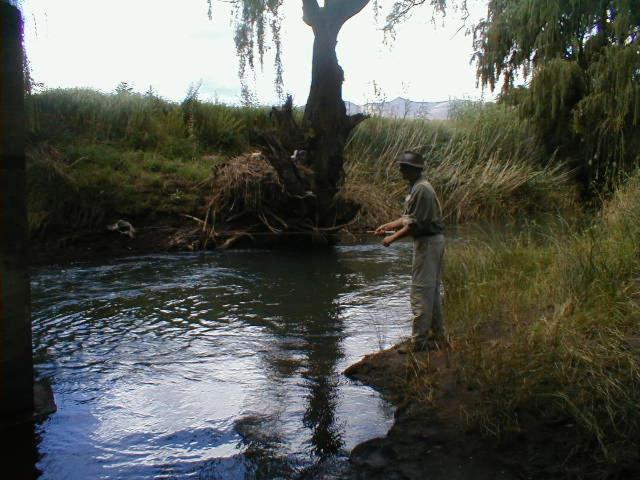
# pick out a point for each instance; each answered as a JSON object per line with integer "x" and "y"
{"x": 213, "y": 366}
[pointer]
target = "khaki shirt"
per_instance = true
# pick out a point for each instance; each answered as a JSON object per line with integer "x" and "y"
{"x": 422, "y": 211}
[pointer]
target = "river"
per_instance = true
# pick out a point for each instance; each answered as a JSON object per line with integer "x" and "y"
{"x": 214, "y": 365}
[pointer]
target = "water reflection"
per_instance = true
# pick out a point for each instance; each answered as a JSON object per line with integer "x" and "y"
{"x": 303, "y": 313}
{"x": 324, "y": 353}
{"x": 212, "y": 366}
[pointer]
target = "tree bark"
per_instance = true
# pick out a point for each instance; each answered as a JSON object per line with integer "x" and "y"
{"x": 16, "y": 364}
{"x": 325, "y": 120}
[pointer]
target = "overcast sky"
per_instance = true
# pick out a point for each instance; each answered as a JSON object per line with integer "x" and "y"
{"x": 171, "y": 44}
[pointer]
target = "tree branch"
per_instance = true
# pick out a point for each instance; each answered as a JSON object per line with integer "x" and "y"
{"x": 345, "y": 9}
{"x": 402, "y": 9}
{"x": 354, "y": 120}
{"x": 310, "y": 12}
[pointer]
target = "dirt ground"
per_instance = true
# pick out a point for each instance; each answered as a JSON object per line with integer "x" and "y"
{"x": 430, "y": 438}
{"x": 425, "y": 441}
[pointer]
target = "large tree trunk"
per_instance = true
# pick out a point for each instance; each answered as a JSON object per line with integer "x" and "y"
{"x": 325, "y": 120}
{"x": 16, "y": 364}
{"x": 302, "y": 202}
{"x": 325, "y": 116}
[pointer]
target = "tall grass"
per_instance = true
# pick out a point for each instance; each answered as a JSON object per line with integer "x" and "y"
{"x": 484, "y": 163}
{"x": 545, "y": 327}
{"x": 131, "y": 154}
{"x": 85, "y": 186}
{"x": 141, "y": 122}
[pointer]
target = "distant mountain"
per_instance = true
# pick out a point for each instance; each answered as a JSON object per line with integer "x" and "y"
{"x": 352, "y": 108}
{"x": 402, "y": 108}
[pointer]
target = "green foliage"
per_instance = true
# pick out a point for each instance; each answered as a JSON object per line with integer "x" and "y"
{"x": 544, "y": 325}
{"x": 251, "y": 20}
{"x": 123, "y": 88}
{"x": 608, "y": 119}
{"x": 134, "y": 121}
{"x": 95, "y": 157}
{"x": 85, "y": 186}
{"x": 218, "y": 126}
{"x": 484, "y": 163}
{"x": 583, "y": 58}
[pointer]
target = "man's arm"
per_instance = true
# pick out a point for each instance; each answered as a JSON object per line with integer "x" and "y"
{"x": 394, "y": 225}
{"x": 403, "y": 232}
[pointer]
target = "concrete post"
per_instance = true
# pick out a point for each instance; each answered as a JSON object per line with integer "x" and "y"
{"x": 16, "y": 362}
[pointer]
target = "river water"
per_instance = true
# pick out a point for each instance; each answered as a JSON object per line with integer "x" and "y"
{"x": 214, "y": 365}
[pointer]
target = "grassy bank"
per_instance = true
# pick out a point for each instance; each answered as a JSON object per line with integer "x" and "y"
{"x": 544, "y": 327}
{"x": 96, "y": 157}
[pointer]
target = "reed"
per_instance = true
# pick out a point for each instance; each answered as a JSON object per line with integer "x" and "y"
{"x": 96, "y": 157}
{"x": 484, "y": 163}
{"x": 141, "y": 122}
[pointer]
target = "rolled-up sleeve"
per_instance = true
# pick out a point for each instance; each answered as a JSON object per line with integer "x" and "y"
{"x": 418, "y": 208}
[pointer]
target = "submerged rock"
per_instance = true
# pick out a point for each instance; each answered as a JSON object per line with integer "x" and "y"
{"x": 43, "y": 401}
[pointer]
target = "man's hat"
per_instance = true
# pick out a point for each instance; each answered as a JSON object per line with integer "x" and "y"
{"x": 411, "y": 159}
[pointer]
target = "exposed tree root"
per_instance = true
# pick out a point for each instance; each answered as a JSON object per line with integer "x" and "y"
{"x": 268, "y": 197}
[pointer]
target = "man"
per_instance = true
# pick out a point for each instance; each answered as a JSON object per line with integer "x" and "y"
{"x": 422, "y": 220}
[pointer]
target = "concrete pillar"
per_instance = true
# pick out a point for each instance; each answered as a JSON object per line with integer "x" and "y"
{"x": 16, "y": 362}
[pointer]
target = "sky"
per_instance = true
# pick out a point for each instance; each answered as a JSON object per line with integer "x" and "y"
{"x": 171, "y": 45}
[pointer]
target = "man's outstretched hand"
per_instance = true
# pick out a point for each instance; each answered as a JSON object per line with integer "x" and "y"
{"x": 397, "y": 235}
{"x": 386, "y": 228}
{"x": 381, "y": 230}
{"x": 396, "y": 228}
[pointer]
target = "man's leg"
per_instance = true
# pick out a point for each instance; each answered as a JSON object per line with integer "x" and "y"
{"x": 437, "y": 325}
{"x": 427, "y": 256}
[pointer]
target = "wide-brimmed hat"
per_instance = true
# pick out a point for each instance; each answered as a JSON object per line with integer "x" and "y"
{"x": 411, "y": 159}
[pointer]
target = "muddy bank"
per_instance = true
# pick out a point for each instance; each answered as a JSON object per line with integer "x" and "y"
{"x": 152, "y": 235}
{"x": 430, "y": 437}
{"x": 161, "y": 234}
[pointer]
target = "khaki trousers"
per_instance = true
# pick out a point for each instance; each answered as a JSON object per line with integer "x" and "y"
{"x": 426, "y": 277}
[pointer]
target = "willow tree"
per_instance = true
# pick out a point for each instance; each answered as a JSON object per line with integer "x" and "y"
{"x": 325, "y": 125}
{"x": 582, "y": 62}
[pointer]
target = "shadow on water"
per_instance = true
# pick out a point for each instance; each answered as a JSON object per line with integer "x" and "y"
{"x": 212, "y": 366}
{"x": 307, "y": 302}
{"x": 19, "y": 453}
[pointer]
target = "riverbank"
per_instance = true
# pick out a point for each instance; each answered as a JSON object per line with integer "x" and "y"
{"x": 151, "y": 236}
{"x": 433, "y": 434}
{"x": 179, "y": 233}
{"x": 542, "y": 377}
{"x": 97, "y": 158}
{"x": 426, "y": 437}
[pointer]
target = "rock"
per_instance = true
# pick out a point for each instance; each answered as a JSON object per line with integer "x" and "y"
{"x": 123, "y": 227}
{"x": 373, "y": 454}
{"x": 43, "y": 400}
